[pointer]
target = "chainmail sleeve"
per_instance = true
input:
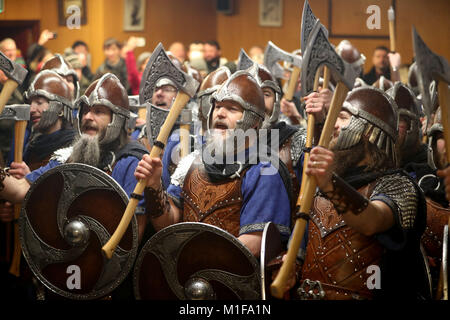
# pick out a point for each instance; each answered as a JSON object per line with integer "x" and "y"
{"x": 399, "y": 193}
{"x": 298, "y": 142}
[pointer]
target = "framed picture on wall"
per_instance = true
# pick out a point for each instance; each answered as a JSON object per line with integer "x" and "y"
{"x": 134, "y": 15}
{"x": 270, "y": 13}
{"x": 70, "y": 9}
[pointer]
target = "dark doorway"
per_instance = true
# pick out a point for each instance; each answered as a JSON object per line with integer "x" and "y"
{"x": 24, "y": 32}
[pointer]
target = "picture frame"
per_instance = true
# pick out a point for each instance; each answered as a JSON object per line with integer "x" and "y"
{"x": 271, "y": 13}
{"x": 63, "y": 15}
{"x": 134, "y": 15}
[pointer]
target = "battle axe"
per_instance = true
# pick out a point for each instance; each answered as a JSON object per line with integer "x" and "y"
{"x": 272, "y": 55}
{"x": 15, "y": 73}
{"x": 319, "y": 52}
{"x": 20, "y": 113}
{"x": 431, "y": 67}
{"x": 159, "y": 66}
{"x": 309, "y": 20}
{"x": 244, "y": 61}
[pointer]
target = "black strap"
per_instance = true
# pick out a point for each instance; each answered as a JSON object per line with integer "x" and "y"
{"x": 139, "y": 197}
{"x": 159, "y": 144}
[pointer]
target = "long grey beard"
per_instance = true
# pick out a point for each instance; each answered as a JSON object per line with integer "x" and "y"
{"x": 48, "y": 119}
{"x": 86, "y": 150}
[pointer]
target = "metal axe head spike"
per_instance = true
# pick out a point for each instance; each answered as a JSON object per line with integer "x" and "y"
{"x": 273, "y": 54}
{"x": 160, "y": 66}
{"x": 430, "y": 66}
{"x": 12, "y": 69}
{"x": 319, "y": 52}
{"x": 17, "y": 112}
{"x": 244, "y": 61}
{"x": 308, "y": 22}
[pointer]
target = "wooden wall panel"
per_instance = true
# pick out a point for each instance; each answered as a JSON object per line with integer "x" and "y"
{"x": 181, "y": 20}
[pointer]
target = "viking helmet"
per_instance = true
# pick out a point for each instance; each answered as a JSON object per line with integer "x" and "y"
{"x": 243, "y": 89}
{"x": 109, "y": 92}
{"x": 64, "y": 69}
{"x": 351, "y": 55}
{"x": 409, "y": 107}
{"x": 53, "y": 87}
{"x": 374, "y": 114}
{"x": 265, "y": 80}
{"x": 210, "y": 84}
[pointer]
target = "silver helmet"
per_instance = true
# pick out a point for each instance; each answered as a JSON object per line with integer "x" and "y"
{"x": 243, "y": 89}
{"x": 265, "y": 80}
{"x": 109, "y": 92}
{"x": 50, "y": 85}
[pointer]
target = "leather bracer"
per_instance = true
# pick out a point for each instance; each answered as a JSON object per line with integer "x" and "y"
{"x": 345, "y": 198}
{"x": 156, "y": 202}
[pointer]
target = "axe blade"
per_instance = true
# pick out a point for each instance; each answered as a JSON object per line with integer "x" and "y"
{"x": 320, "y": 52}
{"x": 12, "y": 69}
{"x": 308, "y": 22}
{"x": 17, "y": 112}
{"x": 244, "y": 61}
{"x": 160, "y": 66}
{"x": 430, "y": 66}
{"x": 273, "y": 54}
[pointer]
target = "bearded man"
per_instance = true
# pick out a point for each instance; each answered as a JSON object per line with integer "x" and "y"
{"x": 102, "y": 142}
{"x": 235, "y": 193}
{"x": 369, "y": 215}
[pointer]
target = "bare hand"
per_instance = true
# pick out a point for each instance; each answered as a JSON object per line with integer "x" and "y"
{"x": 318, "y": 103}
{"x": 320, "y": 165}
{"x": 19, "y": 170}
{"x": 45, "y": 36}
{"x": 289, "y": 109}
{"x": 395, "y": 60}
{"x": 149, "y": 169}
{"x": 6, "y": 212}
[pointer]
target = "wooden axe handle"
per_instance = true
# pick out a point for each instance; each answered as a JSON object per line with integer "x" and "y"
{"x": 8, "y": 89}
{"x": 184, "y": 140}
{"x": 309, "y": 140}
{"x": 392, "y": 34}
{"x": 19, "y": 136}
{"x": 295, "y": 74}
{"x": 278, "y": 286}
{"x": 180, "y": 101}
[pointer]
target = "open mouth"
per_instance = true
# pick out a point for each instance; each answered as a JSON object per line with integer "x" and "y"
{"x": 161, "y": 104}
{"x": 35, "y": 119}
{"x": 220, "y": 126}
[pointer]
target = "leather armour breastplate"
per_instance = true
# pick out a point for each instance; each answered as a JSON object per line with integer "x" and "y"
{"x": 218, "y": 204}
{"x": 337, "y": 255}
{"x": 437, "y": 217}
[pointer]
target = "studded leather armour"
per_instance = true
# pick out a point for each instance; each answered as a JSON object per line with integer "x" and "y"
{"x": 337, "y": 255}
{"x": 218, "y": 204}
{"x": 437, "y": 217}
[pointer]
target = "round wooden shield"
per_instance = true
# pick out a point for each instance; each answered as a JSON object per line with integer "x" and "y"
{"x": 68, "y": 214}
{"x": 185, "y": 260}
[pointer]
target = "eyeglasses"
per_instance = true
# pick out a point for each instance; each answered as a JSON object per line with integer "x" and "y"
{"x": 166, "y": 88}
